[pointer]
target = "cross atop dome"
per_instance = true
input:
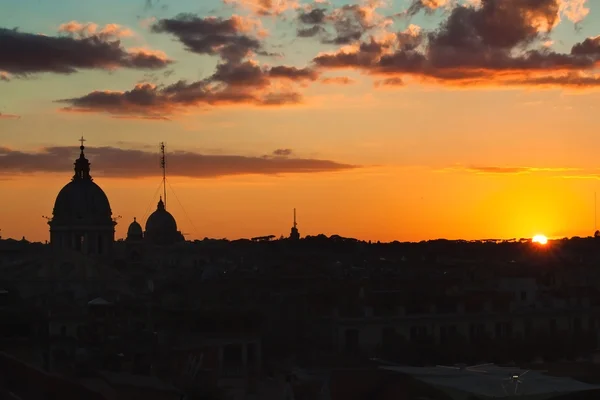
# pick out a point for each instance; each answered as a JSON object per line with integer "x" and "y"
{"x": 82, "y": 165}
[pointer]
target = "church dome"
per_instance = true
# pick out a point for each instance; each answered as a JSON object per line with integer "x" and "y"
{"x": 82, "y": 219}
{"x": 161, "y": 227}
{"x": 161, "y": 220}
{"x": 82, "y": 200}
{"x": 134, "y": 231}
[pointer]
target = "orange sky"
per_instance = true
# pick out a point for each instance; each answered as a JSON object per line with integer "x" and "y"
{"x": 469, "y": 151}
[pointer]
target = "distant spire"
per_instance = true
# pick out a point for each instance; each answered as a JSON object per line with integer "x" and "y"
{"x": 163, "y": 165}
{"x": 82, "y": 165}
{"x": 294, "y": 234}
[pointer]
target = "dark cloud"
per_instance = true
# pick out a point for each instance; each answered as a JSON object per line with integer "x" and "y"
{"x": 589, "y": 47}
{"x": 282, "y": 152}
{"x": 311, "y": 32}
{"x": 395, "y": 81}
{"x": 26, "y": 53}
{"x": 500, "y": 41}
{"x": 251, "y": 74}
{"x": 293, "y": 73}
{"x": 213, "y": 36}
{"x": 418, "y": 5}
{"x": 149, "y": 101}
{"x": 347, "y": 24}
{"x": 232, "y": 83}
{"x": 313, "y": 17}
{"x": 128, "y": 163}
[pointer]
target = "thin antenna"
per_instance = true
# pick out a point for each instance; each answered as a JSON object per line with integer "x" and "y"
{"x": 295, "y": 225}
{"x": 595, "y": 212}
{"x": 163, "y": 165}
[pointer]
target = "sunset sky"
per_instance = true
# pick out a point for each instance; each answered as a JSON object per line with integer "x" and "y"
{"x": 380, "y": 120}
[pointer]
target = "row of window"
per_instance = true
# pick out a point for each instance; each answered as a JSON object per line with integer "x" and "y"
{"x": 476, "y": 331}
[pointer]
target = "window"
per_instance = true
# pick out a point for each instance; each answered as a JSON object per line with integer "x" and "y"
{"x": 503, "y": 329}
{"x": 352, "y": 340}
{"x": 78, "y": 242}
{"x": 388, "y": 336}
{"x": 251, "y": 352}
{"x": 447, "y": 333}
{"x": 527, "y": 328}
{"x": 418, "y": 332}
{"x": 477, "y": 331}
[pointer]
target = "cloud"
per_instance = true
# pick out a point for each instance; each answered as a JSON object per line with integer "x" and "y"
{"x": 574, "y": 10}
{"x": 343, "y": 25}
{"x": 147, "y": 101}
{"x": 338, "y": 80}
{"x": 265, "y": 7}
{"x": 389, "y": 82}
{"x": 228, "y": 38}
{"x": 89, "y": 29}
{"x": 232, "y": 83}
{"x": 496, "y": 170}
{"x": 129, "y": 163}
{"x": 589, "y": 47}
{"x": 493, "y": 43}
{"x": 9, "y": 116}
{"x": 428, "y": 5}
{"x": 282, "y": 152}
{"x": 26, "y": 53}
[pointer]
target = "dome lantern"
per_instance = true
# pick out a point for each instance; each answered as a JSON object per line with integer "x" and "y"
{"x": 82, "y": 165}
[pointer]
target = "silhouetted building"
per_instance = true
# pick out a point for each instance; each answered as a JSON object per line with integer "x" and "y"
{"x": 161, "y": 227}
{"x": 294, "y": 234}
{"x": 82, "y": 218}
{"x": 135, "y": 232}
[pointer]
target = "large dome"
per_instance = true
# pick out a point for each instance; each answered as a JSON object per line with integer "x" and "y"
{"x": 82, "y": 218}
{"x": 82, "y": 200}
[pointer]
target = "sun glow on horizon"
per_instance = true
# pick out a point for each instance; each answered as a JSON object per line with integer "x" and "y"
{"x": 540, "y": 239}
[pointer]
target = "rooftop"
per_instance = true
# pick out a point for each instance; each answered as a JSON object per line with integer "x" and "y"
{"x": 494, "y": 381}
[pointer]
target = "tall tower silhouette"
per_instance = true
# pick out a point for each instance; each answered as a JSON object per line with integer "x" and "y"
{"x": 294, "y": 234}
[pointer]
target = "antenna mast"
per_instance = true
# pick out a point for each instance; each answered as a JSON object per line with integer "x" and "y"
{"x": 295, "y": 225}
{"x": 595, "y": 213}
{"x": 163, "y": 165}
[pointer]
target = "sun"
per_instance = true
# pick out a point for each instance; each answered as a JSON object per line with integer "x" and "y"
{"x": 540, "y": 239}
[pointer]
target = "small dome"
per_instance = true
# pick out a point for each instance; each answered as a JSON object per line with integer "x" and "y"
{"x": 161, "y": 227}
{"x": 134, "y": 231}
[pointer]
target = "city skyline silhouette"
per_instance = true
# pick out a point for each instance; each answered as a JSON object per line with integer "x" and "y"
{"x": 375, "y": 120}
